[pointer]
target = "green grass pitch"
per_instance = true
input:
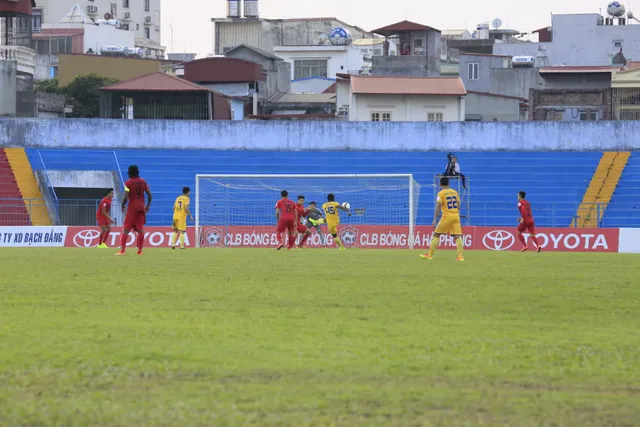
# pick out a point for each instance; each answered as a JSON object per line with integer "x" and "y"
{"x": 217, "y": 337}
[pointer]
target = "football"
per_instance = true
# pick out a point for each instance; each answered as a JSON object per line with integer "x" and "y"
{"x": 346, "y": 205}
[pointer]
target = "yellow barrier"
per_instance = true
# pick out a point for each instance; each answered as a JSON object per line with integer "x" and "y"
{"x": 27, "y": 184}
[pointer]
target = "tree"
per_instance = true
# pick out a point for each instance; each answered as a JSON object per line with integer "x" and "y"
{"x": 83, "y": 94}
{"x": 49, "y": 86}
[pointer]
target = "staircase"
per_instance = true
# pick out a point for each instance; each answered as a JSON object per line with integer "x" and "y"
{"x": 601, "y": 188}
{"x": 13, "y": 211}
{"x": 28, "y": 186}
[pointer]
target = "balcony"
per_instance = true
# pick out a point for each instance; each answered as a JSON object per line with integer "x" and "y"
{"x": 406, "y": 65}
{"x": 25, "y": 57}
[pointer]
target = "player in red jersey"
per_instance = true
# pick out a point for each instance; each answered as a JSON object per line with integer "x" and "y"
{"x": 526, "y": 222}
{"x": 103, "y": 217}
{"x": 135, "y": 216}
{"x": 301, "y": 228}
{"x": 286, "y": 218}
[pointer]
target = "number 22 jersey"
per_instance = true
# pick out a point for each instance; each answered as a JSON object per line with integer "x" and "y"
{"x": 450, "y": 202}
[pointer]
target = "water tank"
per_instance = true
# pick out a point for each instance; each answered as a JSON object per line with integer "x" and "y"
{"x": 483, "y": 30}
{"x": 233, "y": 8}
{"x": 251, "y": 9}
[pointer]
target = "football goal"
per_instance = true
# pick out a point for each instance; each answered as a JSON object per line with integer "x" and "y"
{"x": 239, "y": 210}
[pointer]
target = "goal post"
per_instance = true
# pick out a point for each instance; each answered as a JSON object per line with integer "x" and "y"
{"x": 239, "y": 210}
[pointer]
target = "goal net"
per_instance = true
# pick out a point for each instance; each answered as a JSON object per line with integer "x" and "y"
{"x": 239, "y": 210}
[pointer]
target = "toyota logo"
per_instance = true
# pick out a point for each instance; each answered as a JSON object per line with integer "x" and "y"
{"x": 498, "y": 240}
{"x": 86, "y": 238}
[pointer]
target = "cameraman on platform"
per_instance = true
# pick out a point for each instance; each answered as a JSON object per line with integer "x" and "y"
{"x": 453, "y": 169}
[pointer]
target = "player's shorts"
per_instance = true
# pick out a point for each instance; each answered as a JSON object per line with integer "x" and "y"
{"x": 286, "y": 225}
{"x": 179, "y": 224}
{"x": 524, "y": 226}
{"x": 311, "y": 226}
{"x": 135, "y": 220}
{"x": 449, "y": 225}
{"x": 333, "y": 227}
{"x": 102, "y": 221}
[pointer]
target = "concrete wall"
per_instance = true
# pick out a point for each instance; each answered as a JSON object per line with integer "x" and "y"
{"x": 71, "y": 66}
{"x": 413, "y": 66}
{"x": 340, "y": 59}
{"x": 320, "y": 135}
{"x": 8, "y": 70}
{"x": 515, "y": 81}
{"x": 579, "y": 40}
{"x": 489, "y": 108}
{"x": 311, "y": 85}
{"x": 98, "y": 36}
{"x": 278, "y": 73}
{"x": 405, "y": 108}
{"x": 577, "y": 81}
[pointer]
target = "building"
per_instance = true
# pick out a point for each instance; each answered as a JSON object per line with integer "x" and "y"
{"x": 237, "y": 78}
{"x": 400, "y": 99}
{"x": 71, "y": 65}
{"x": 160, "y": 96}
{"x": 419, "y": 49}
{"x": 278, "y": 71}
{"x": 312, "y": 85}
{"x": 321, "y": 60}
{"x": 265, "y": 34}
{"x": 140, "y": 17}
{"x": 580, "y": 40}
{"x": 497, "y": 90}
{"x": 573, "y": 94}
{"x": 15, "y": 36}
{"x": 625, "y": 84}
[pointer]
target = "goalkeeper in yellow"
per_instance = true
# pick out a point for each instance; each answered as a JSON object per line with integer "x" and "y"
{"x": 180, "y": 212}
{"x": 332, "y": 217}
{"x": 448, "y": 203}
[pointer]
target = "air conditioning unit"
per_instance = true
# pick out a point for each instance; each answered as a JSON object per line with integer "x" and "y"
{"x": 147, "y": 20}
{"x": 92, "y": 9}
{"x": 523, "y": 61}
{"x": 127, "y": 15}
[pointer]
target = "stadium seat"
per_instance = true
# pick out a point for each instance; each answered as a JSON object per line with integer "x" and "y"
{"x": 555, "y": 181}
{"x": 624, "y": 208}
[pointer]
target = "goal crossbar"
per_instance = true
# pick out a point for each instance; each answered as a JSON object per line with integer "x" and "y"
{"x": 409, "y": 177}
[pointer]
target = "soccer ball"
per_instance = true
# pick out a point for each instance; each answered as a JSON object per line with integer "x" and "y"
{"x": 346, "y": 205}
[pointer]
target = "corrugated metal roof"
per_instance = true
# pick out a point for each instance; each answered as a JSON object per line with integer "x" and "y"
{"x": 52, "y": 33}
{"x": 567, "y": 69}
{"x": 223, "y": 70}
{"x": 445, "y": 86}
{"x": 156, "y": 82}
{"x": 306, "y": 98}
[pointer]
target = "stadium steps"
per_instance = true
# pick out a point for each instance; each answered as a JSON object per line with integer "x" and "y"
{"x": 601, "y": 189}
{"x": 28, "y": 186}
{"x": 13, "y": 211}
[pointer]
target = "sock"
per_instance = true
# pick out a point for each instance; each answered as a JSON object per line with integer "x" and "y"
{"x": 534, "y": 239}
{"x": 435, "y": 241}
{"x": 460, "y": 246}
{"x": 182, "y": 240}
{"x": 106, "y": 235}
{"x": 140, "y": 241}
{"x": 173, "y": 239}
{"x": 280, "y": 241}
{"x": 304, "y": 238}
{"x": 123, "y": 242}
{"x": 339, "y": 242}
{"x": 102, "y": 233}
{"x": 292, "y": 241}
{"x": 521, "y": 238}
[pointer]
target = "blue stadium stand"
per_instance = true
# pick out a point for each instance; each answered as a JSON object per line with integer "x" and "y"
{"x": 624, "y": 208}
{"x": 555, "y": 181}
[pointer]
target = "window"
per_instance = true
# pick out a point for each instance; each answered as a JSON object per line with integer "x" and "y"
{"x": 146, "y": 6}
{"x": 125, "y": 4}
{"x": 418, "y": 47}
{"x": 617, "y": 44}
{"x": 588, "y": 115}
{"x": 125, "y": 27}
{"x": 137, "y": 27}
{"x": 310, "y": 68}
{"x": 147, "y": 33}
{"x": 473, "y": 70}
{"x": 36, "y": 19}
{"x": 380, "y": 117}
{"x": 555, "y": 115}
{"x": 435, "y": 117}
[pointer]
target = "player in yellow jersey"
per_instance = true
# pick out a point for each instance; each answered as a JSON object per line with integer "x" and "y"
{"x": 180, "y": 212}
{"x": 448, "y": 203}
{"x": 332, "y": 217}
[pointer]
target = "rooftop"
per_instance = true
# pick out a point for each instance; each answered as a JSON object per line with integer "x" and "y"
{"x": 306, "y": 98}
{"x": 576, "y": 69}
{"x": 155, "y": 82}
{"x": 484, "y": 54}
{"x": 379, "y": 85}
{"x": 255, "y": 50}
{"x": 401, "y": 27}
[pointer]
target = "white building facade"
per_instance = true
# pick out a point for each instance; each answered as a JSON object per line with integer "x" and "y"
{"x": 401, "y": 99}
{"x": 140, "y": 17}
{"x": 321, "y": 61}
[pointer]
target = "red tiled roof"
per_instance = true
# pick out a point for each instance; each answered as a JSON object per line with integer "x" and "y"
{"x": 49, "y": 33}
{"x": 569, "y": 69}
{"x": 402, "y": 26}
{"x": 541, "y": 29}
{"x": 156, "y": 82}
{"x": 377, "y": 85}
{"x": 223, "y": 70}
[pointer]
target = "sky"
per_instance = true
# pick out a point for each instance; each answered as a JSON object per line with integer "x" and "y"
{"x": 192, "y": 27}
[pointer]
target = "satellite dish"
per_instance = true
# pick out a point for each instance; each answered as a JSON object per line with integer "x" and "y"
{"x": 497, "y": 23}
